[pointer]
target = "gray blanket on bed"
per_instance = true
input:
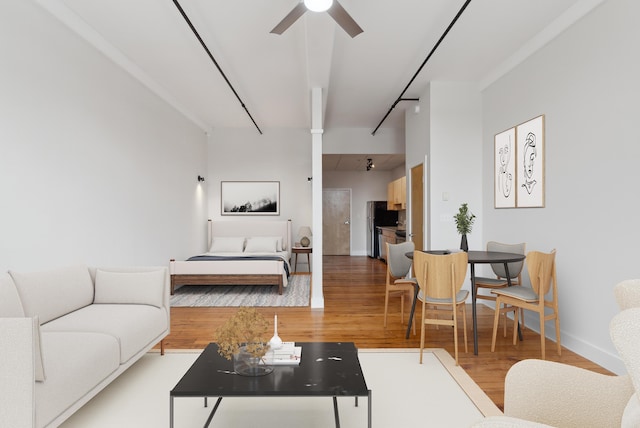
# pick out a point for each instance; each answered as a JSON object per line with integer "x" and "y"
{"x": 202, "y": 258}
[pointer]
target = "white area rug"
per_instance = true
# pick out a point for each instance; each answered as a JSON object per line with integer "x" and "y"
{"x": 404, "y": 394}
{"x": 294, "y": 294}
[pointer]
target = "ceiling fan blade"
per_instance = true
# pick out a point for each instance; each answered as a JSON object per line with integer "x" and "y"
{"x": 343, "y": 19}
{"x": 288, "y": 20}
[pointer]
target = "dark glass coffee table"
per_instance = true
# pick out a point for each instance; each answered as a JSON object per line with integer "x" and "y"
{"x": 326, "y": 369}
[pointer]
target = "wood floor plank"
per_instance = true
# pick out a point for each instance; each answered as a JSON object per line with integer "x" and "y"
{"x": 354, "y": 304}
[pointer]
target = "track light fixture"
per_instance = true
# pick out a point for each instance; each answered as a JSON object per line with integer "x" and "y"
{"x": 370, "y": 164}
{"x": 200, "y": 178}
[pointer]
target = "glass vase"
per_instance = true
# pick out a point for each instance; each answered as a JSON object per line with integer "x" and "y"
{"x": 246, "y": 364}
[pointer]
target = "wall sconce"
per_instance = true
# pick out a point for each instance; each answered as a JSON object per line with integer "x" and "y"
{"x": 370, "y": 164}
{"x": 200, "y": 178}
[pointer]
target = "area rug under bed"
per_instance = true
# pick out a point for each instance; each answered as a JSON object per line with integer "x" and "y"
{"x": 294, "y": 294}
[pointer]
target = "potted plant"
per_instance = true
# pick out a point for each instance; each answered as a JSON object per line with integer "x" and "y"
{"x": 464, "y": 221}
{"x": 243, "y": 338}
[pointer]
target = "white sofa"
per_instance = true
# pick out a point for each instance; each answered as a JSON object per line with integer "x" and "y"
{"x": 67, "y": 333}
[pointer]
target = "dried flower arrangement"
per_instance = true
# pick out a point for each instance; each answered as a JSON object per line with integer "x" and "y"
{"x": 245, "y": 328}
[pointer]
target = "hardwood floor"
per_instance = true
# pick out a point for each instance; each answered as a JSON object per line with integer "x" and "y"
{"x": 354, "y": 304}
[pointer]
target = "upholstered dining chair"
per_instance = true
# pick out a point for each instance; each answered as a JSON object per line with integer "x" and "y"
{"x": 542, "y": 274}
{"x": 398, "y": 280}
{"x": 500, "y": 279}
{"x": 440, "y": 278}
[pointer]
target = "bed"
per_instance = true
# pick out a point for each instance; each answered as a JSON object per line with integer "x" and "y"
{"x": 239, "y": 253}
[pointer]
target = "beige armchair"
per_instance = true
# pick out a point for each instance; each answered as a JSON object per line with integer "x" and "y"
{"x": 543, "y": 393}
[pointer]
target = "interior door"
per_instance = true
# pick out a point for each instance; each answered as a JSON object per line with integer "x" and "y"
{"x": 336, "y": 222}
{"x": 417, "y": 206}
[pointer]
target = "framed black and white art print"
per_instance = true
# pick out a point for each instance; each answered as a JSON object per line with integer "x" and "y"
{"x": 504, "y": 161}
{"x": 530, "y": 160}
{"x": 250, "y": 197}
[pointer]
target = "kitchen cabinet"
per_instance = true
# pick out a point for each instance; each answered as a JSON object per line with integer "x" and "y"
{"x": 397, "y": 194}
{"x": 388, "y": 235}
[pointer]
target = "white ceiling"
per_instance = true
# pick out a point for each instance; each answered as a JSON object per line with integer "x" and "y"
{"x": 274, "y": 74}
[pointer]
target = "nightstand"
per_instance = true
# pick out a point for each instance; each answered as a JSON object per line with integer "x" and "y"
{"x": 301, "y": 250}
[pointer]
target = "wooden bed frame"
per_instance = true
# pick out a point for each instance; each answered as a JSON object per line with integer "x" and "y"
{"x": 235, "y": 272}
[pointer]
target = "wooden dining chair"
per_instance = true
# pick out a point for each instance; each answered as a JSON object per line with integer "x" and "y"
{"x": 399, "y": 282}
{"x": 542, "y": 274}
{"x": 500, "y": 279}
{"x": 440, "y": 278}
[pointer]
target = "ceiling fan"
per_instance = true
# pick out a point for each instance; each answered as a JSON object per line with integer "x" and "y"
{"x": 332, "y": 7}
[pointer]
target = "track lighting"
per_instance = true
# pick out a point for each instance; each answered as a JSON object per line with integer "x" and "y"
{"x": 370, "y": 164}
{"x": 200, "y": 178}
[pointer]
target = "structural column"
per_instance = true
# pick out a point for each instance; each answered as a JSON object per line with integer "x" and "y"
{"x": 317, "y": 295}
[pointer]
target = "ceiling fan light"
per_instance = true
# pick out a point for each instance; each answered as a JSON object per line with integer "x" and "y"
{"x": 318, "y": 5}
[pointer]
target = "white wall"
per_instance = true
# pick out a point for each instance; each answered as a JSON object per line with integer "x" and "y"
{"x": 447, "y": 130}
{"x": 93, "y": 168}
{"x": 455, "y": 161}
{"x": 586, "y": 83}
{"x": 365, "y": 186}
{"x": 282, "y": 155}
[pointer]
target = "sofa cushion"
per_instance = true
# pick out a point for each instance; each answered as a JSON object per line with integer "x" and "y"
{"x": 631, "y": 414}
{"x": 76, "y": 363}
{"x": 134, "y": 326}
{"x": 37, "y": 345}
{"x": 145, "y": 288}
{"x": 10, "y": 305}
{"x": 51, "y": 294}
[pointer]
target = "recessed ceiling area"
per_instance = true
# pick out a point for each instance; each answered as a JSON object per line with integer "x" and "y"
{"x": 351, "y": 162}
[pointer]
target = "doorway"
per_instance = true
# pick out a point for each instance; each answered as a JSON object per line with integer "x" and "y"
{"x": 336, "y": 222}
{"x": 417, "y": 206}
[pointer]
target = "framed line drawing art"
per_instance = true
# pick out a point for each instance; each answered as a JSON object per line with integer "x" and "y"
{"x": 530, "y": 160}
{"x": 250, "y": 197}
{"x": 504, "y": 165}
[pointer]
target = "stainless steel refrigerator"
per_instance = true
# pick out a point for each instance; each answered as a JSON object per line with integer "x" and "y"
{"x": 378, "y": 215}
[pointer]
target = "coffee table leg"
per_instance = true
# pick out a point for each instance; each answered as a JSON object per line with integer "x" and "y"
{"x": 170, "y": 412}
{"x": 213, "y": 412}
{"x": 335, "y": 411}
{"x": 369, "y": 410}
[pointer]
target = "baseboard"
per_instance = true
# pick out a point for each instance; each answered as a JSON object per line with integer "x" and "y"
{"x": 602, "y": 357}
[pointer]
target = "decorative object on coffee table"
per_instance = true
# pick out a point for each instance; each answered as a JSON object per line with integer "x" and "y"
{"x": 464, "y": 221}
{"x": 304, "y": 233}
{"x": 275, "y": 342}
{"x": 243, "y": 339}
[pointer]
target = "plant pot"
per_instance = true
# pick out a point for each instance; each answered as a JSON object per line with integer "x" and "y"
{"x": 463, "y": 244}
{"x": 246, "y": 364}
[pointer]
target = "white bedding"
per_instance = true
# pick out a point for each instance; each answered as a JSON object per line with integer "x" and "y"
{"x": 244, "y": 239}
{"x": 253, "y": 267}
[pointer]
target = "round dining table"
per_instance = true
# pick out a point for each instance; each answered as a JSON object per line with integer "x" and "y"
{"x": 474, "y": 257}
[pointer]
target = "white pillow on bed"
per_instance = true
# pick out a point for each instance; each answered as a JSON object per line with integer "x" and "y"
{"x": 279, "y": 246}
{"x": 227, "y": 244}
{"x": 261, "y": 244}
